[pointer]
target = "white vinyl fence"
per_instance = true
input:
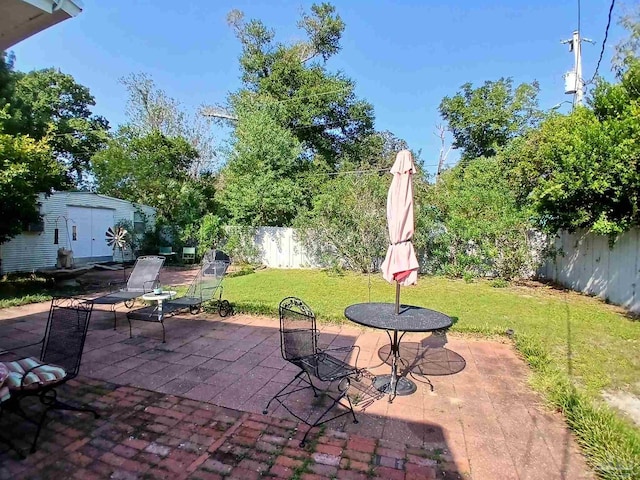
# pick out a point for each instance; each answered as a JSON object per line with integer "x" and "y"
{"x": 584, "y": 262}
{"x": 279, "y": 247}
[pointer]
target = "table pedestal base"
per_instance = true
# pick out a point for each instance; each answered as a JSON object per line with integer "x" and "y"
{"x": 404, "y": 386}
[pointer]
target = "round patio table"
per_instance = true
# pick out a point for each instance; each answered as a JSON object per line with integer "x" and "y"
{"x": 159, "y": 297}
{"x": 409, "y": 319}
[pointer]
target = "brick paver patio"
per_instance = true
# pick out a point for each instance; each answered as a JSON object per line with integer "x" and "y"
{"x": 191, "y": 408}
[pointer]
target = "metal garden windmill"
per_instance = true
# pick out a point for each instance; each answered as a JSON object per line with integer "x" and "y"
{"x": 117, "y": 238}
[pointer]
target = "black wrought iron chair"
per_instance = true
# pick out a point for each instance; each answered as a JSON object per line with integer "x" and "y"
{"x": 143, "y": 279}
{"x": 299, "y": 345}
{"x": 59, "y": 362}
{"x": 5, "y": 395}
{"x": 203, "y": 288}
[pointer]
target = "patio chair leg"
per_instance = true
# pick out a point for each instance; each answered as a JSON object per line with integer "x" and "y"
{"x": 163, "y": 340}
{"x": 303, "y": 442}
{"x": 315, "y": 392}
{"x": 336, "y": 401}
{"x": 11, "y": 445}
{"x": 353, "y": 414}
{"x": 56, "y": 405}
{"x": 277, "y": 395}
{"x": 129, "y": 320}
{"x": 40, "y": 425}
{"x": 113, "y": 309}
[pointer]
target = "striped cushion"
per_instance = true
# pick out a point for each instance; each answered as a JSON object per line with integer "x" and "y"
{"x": 4, "y": 394}
{"x": 37, "y": 377}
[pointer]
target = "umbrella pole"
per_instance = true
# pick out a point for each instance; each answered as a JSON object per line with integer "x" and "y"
{"x": 397, "y": 297}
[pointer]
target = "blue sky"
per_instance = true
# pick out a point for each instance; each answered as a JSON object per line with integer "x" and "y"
{"x": 404, "y": 56}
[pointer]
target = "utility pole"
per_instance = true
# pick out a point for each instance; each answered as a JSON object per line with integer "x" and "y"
{"x": 573, "y": 81}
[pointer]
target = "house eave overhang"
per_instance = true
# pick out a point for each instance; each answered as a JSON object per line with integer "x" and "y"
{"x": 20, "y": 19}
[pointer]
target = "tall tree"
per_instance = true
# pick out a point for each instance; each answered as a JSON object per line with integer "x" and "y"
{"x": 293, "y": 120}
{"x": 49, "y": 103}
{"x": 261, "y": 182}
{"x": 35, "y": 153}
{"x": 582, "y": 170}
{"x": 347, "y": 222}
{"x": 151, "y": 109}
{"x": 627, "y": 51}
{"x": 149, "y": 169}
{"x": 27, "y": 167}
{"x": 484, "y": 119}
{"x": 318, "y": 107}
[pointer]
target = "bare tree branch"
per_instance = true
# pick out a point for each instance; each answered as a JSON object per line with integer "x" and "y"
{"x": 444, "y": 152}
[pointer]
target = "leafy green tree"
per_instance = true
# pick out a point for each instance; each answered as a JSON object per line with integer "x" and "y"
{"x": 484, "y": 119}
{"x": 30, "y": 145}
{"x": 151, "y": 109}
{"x": 27, "y": 167}
{"x": 197, "y": 199}
{"x": 164, "y": 158}
{"x": 627, "y": 51}
{"x": 260, "y": 184}
{"x": 51, "y": 104}
{"x": 318, "y": 107}
{"x": 476, "y": 226}
{"x": 210, "y": 233}
{"x": 150, "y": 169}
{"x": 347, "y": 222}
{"x": 581, "y": 170}
{"x": 6, "y": 86}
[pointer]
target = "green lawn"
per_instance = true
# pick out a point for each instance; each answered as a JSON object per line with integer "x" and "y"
{"x": 577, "y": 346}
{"x": 22, "y": 289}
{"x": 604, "y": 344}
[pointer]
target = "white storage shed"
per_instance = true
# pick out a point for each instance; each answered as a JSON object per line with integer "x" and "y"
{"x": 74, "y": 221}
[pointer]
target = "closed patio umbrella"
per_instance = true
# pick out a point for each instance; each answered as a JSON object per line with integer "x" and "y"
{"x": 400, "y": 264}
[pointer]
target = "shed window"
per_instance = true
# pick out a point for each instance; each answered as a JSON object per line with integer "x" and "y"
{"x": 55, "y": 237}
{"x": 138, "y": 222}
{"x": 74, "y": 233}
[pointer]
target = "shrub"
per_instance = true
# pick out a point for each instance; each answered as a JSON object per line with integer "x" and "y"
{"x": 239, "y": 244}
{"x": 484, "y": 230}
{"x": 210, "y": 233}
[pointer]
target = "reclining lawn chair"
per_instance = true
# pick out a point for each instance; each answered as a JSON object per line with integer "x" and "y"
{"x": 203, "y": 288}
{"x": 143, "y": 279}
{"x": 59, "y": 362}
{"x": 299, "y": 345}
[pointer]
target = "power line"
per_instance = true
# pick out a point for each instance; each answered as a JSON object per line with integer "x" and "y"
{"x": 220, "y": 112}
{"x": 604, "y": 42}
{"x": 355, "y": 172}
{"x": 313, "y": 95}
{"x": 330, "y": 126}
